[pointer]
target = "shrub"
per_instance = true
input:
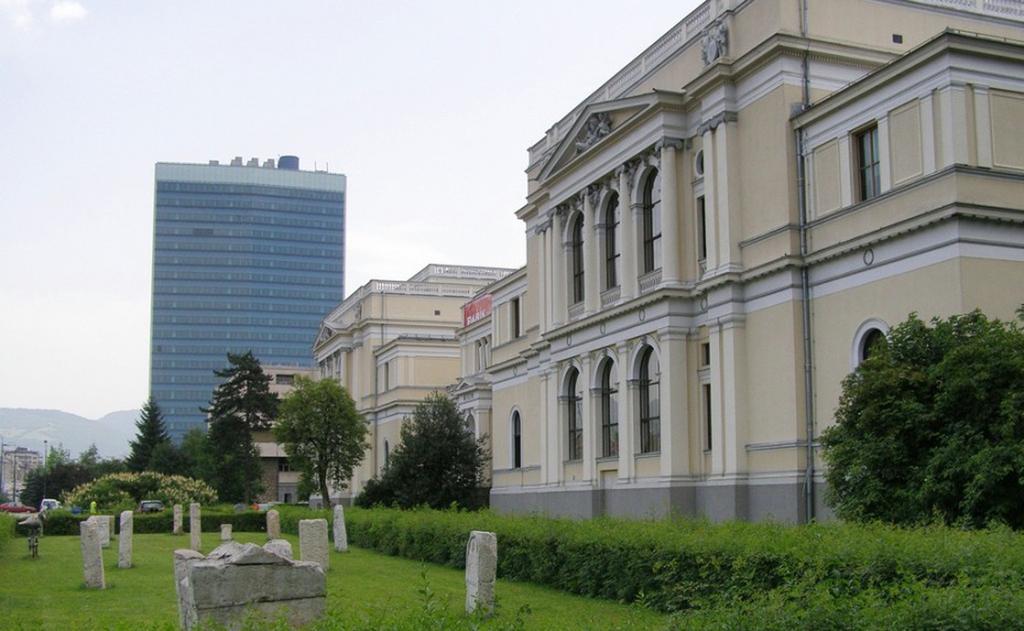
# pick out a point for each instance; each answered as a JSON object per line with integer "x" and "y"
{"x": 676, "y": 565}
{"x": 125, "y": 490}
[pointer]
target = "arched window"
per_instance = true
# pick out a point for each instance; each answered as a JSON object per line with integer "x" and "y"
{"x": 652, "y": 222}
{"x": 609, "y": 411}
{"x": 470, "y": 424}
{"x": 517, "y": 441}
{"x": 574, "y": 415}
{"x": 611, "y": 254}
{"x": 577, "y": 260}
{"x": 869, "y": 343}
{"x": 387, "y": 453}
{"x": 650, "y": 402}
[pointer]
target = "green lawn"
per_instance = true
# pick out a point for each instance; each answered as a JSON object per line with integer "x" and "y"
{"x": 363, "y": 588}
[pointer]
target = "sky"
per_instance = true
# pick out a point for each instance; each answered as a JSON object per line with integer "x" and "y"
{"x": 427, "y": 107}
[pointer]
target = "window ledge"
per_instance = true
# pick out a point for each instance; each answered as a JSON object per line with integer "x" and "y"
{"x": 603, "y": 459}
{"x": 649, "y": 454}
{"x": 650, "y": 280}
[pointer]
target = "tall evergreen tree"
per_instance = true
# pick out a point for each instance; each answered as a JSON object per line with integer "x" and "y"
{"x": 241, "y": 404}
{"x": 151, "y": 432}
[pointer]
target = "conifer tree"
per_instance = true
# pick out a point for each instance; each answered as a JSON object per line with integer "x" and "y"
{"x": 151, "y": 432}
{"x": 241, "y": 404}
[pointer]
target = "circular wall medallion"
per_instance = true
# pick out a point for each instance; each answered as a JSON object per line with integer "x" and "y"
{"x": 602, "y": 328}
{"x": 568, "y": 340}
{"x": 698, "y": 163}
{"x": 642, "y": 315}
{"x": 869, "y": 256}
{"x": 703, "y": 304}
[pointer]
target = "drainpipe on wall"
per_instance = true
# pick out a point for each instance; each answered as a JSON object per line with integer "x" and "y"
{"x": 805, "y": 285}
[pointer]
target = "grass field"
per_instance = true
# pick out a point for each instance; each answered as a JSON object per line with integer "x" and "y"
{"x": 365, "y": 590}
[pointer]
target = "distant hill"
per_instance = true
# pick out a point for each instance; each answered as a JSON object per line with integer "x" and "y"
{"x": 29, "y": 428}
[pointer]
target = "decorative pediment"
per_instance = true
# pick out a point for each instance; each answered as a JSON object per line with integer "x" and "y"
{"x": 596, "y": 124}
{"x": 325, "y": 334}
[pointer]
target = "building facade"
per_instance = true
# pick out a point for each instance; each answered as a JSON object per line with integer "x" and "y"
{"x": 15, "y": 465}
{"x": 718, "y": 234}
{"x": 392, "y": 343}
{"x": 280, "y": 482}
{"x": 245, "y": 257}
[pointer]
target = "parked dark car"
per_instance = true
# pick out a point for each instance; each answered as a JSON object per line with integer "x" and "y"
{"x": 151, "y": 506}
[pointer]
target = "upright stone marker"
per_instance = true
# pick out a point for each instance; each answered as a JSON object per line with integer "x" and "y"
{"x": 124, "y": 540}
{"x": 195, "y": 526}
{"x": 92, "y": 554}
{"x": 313, "y": 544}
{"x": 225, "y": 532}
{"x": 481, "y": 570}
{"x": 340, "y": 535}
{"x": 280, "y": 547}
{"x": 273, "y": 524}
{"x": 103, "y": 527}
{"x": 177, "y": 520}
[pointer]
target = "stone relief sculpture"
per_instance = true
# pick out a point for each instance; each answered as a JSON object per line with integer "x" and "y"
{"x": 715, "y": 43}
{"x": 597, "y": 127}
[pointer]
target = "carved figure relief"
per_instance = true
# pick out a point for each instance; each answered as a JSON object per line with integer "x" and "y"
{"x": 597, "y": 127}
{"x": 715, "y": 43}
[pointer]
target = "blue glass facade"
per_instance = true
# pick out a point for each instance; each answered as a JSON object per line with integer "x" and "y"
{"x": 244, "y": 258}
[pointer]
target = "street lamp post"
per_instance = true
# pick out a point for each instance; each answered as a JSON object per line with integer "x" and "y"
{"x": 46, "y": 472}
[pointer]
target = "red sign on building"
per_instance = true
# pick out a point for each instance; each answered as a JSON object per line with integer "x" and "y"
{"x": 476, "y": 310}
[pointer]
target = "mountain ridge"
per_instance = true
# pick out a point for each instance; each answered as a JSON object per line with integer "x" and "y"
{"x": 29, "y": 427}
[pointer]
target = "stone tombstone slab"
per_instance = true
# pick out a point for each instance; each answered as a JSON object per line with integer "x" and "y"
{"x": 223, "y": 587}
{"x": 340, "y": 535}
{"x": 195, "y": 526}
{"x": 124, "y": 540}
{"x": 280, "y": 547}
{"x": 481, "y": 570}
{"x": 177, "y": 529}
{"x": 92, "y": 554}
{"x": 313, "y": 544}
{"x": 225, "y": 532}
{"x": 273, "y": 524}
{"x": 104, "y": 525}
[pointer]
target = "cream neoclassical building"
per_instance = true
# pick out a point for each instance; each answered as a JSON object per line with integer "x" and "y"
{"x": 717, "y": 234}
{"x": 390, "y": 344}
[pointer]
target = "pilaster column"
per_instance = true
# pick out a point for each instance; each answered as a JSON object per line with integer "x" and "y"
{"x": 983, "y": 126}
{"x": 675, "y": 442}
{"x": 626, "y": 407}
{"x": 558, "y": 301}
{"x": 953, "y": 104}
{"x": 589, "y": 417}
{"x": 542, "y": 238}
{"x": 627, "y": 235}
{"x": 927, "y": 134}
{"x": 726, "y": 196}
{"x": 591, "y": 271}
{"x": 884, "y": 156}
{"x": 734, "y": 417}
{"x": 670, "y": 241}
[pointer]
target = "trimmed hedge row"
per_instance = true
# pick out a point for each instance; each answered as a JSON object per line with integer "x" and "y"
{"x": 64, "y": 523}
{"x": 676, "y": 565}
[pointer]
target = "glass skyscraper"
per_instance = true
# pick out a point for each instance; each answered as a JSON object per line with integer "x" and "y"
{"x": 245, "y": 257}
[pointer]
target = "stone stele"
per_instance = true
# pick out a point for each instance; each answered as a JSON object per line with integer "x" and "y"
{"x": 195, "y": 526}
{"x": 340, "y": 535}
{"x": 280, "y": 547}
{"x": 235, "y": 579}
{"x": 313, "y": 544}
{"x": 177, "y": 520}
{"x": 481, "y": 570}
{"x": 104, "y": 524}
{"x": 225, "y": 532}
{"x": 92, "y": 554}
{"x": 124, "y": 540}
{"x": 273, "y": 524}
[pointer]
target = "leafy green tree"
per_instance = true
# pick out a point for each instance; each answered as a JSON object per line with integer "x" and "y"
{"x": 241, "y": 404}
{"x": 96, "y": 466}
{"x": 56, "y": 479}
{"x": 931, "y": 426}
{"x": 322, "y": 433}
{"x": 438, "y": 463}
{"x": 151, "y": 432}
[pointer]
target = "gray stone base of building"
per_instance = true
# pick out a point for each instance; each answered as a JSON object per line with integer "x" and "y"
{"x": 747, "y": 502}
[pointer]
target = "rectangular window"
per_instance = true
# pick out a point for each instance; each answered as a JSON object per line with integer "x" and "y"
{"x": 868, "y": 171}
{"x": 705, "y": 355}
{"x": 284, "y": 380}
{"x": 514, "y": 306}
{"x": 387, "y": 376}
{"x": 706, "y": 395}
{"x": 702, "y": 231}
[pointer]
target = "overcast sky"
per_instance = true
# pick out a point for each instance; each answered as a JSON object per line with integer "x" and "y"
{"x": 427, "y": 107}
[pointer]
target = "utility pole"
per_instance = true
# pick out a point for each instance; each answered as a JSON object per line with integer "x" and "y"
{"x": 1, "y": 465}
{"x": 46, "y": 473}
